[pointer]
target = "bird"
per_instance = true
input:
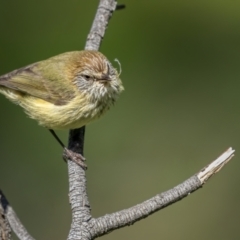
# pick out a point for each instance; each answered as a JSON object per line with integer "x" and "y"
{"x": 66, "y": 91}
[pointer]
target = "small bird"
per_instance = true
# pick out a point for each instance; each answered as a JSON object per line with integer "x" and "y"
{"x": 66, "y": 91}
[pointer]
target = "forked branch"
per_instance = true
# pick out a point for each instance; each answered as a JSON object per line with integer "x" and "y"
{"x": 84, "y": 226}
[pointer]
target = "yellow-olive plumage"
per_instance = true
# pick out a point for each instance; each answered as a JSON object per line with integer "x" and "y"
{"x": 66, "y": 91}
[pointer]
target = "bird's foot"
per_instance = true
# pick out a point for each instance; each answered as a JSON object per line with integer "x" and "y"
{"x": 75, "y": 157}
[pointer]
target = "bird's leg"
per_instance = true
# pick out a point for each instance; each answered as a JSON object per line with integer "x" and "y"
{"x": 69, "y": 154}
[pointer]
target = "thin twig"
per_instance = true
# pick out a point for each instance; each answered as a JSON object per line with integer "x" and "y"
{"x": 5, "y": 229}
{"x": 120, "y": 6}
{"x": 215, "y": 166}
{"x": 100, "y": 22}
{"x": 13, "y": 220}
{"x": 110, "y": 222}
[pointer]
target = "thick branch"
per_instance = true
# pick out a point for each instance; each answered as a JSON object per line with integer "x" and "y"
{"x": 77, "y": 179}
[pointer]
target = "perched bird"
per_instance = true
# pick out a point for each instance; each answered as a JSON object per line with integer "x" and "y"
{"x": 66, "y": 91}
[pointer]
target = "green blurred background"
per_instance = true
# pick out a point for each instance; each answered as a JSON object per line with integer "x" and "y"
{"x": 180, "y": 110}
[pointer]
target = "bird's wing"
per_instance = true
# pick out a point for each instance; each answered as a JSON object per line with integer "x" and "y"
{"x": 39, "y": 81}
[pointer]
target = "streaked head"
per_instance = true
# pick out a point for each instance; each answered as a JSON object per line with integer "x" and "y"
{"x": 95, "y": 76}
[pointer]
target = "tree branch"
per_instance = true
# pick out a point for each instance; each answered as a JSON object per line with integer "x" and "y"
{"x": 13, "y": 220}
{"x": 5, "y": 229}
{"x": 100, "y": 22}
{"x": 83, "y": 226}
{"x": 110, "y": 222}
{"x": 77, "y": 179}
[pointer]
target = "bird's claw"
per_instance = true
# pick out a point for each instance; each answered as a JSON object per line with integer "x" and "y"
{"x": 75, "y": 157}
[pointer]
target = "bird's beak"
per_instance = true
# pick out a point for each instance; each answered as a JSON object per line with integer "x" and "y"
{"x": 104, "y": 78}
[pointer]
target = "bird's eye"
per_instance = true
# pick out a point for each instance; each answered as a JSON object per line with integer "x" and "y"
{"x": 87, "y": 77}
